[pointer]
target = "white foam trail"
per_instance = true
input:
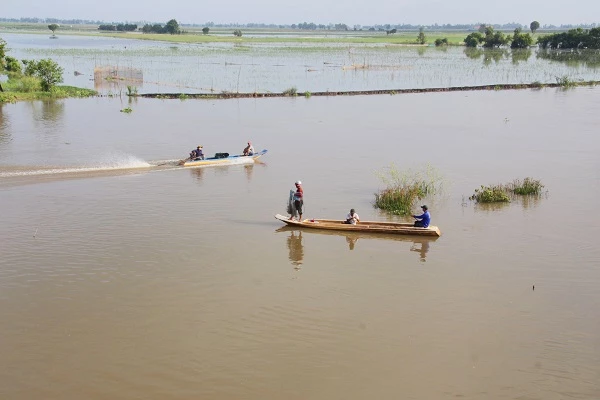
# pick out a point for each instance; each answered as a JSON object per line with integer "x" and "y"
{"x": 109, "y": 163}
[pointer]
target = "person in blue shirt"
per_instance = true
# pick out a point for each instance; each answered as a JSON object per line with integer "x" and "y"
{"x": 423, "y": 219}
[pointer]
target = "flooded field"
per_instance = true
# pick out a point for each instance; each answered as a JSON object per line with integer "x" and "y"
{"x": 308, "y": 67}
{"x": 122, "y": 277}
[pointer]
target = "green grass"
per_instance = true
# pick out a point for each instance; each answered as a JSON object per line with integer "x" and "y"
{"x": 195, "y": 35}
{"x": 24, "y": 89}
{"x": 404, "y": 188}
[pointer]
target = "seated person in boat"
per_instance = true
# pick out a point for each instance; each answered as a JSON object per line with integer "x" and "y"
{"x": 423, "y": 219}
{"x": 352, "y": 217}
{"x": 197, "y": 154}
{"x": 249, "y": 150}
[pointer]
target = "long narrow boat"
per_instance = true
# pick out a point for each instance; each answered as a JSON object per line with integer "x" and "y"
{"x": 398, "y": 228}
{"x": 223, "y": 159}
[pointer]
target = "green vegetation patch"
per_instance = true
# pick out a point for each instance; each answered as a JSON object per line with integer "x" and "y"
{"x": 404, "y": 188}
{"x": 501, "y": 193}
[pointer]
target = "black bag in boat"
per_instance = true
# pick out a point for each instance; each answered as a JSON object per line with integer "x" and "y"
{"x": 221, "y": 155}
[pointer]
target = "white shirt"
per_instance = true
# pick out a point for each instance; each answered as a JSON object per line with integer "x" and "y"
{"x": 353, "y": 219}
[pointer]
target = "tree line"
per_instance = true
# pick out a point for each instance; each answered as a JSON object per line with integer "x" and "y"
{"x": 118, "y": 27}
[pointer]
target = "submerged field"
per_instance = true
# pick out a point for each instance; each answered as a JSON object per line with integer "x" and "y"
{"x": 274, "y": 65}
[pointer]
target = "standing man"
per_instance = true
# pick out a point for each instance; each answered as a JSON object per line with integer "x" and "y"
{"x": 298, "y": 201}
{"x": 423, "y": 219}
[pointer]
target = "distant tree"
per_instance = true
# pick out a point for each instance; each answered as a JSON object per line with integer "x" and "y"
{"x": 441, "y": 42}
{"x": 534, "y": 26}
{"x": 48, "y": 71}
{"x": 172, "y": 27}
{"x": 391, "y": 31}
{"x": 237, "y": 33}
{"x": 573, "y": 39}
{"x": 53, "y": 27}
{"x": 494, "y": 39}
{"x": 421, "y": 39}
{"x": 205, "y": 30}
{"x": 474, "y": 39}
{"x": 482, "y": 28}
{"x": 521, "y": 40}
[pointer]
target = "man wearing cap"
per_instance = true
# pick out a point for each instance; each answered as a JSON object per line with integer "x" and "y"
{"x": 423, "y": 219}
{"x": 197, "y": 153}
{"x": 249, "y": 150}
{"x": 298, "y": 200}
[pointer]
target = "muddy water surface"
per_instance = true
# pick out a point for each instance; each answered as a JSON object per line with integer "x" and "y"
{"x": 120, "y": 279}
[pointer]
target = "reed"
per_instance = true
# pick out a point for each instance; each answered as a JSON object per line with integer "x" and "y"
{"x": 527, "y": 186}
{"x": 405, "y": 187}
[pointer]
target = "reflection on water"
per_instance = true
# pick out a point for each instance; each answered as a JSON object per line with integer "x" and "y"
{"x": 4, "y": 126}
{"x": 573, "y": 58}
{"x": 351, "y": 242}
{"x": 48, "y": 111}
{"x": 422, "y": 250}
{"x": 197, "y": 173}
{"x": 296, "y": 248}
{"x": 520, "y": 55}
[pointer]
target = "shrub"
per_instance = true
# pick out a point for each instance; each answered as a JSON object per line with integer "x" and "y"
{"x": 49, "y": 72}
{"x": 237, "y": 33}
{"x": 291, "y": 91}
{"x": 13, "y": 66}
{"x": 441, "y": 42}
{"x": 27, "y": 84}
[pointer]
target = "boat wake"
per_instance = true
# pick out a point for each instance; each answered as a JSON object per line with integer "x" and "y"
{"x": 120, "y": 163}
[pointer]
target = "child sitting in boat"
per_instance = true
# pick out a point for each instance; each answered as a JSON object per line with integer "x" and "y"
{"x": 352, "y": 218}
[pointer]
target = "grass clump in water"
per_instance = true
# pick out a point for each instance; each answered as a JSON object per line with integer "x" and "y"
{"x": 527, "y": 186}
{"x": 404, "y": 188}
{"x": 502, "y": 193}
{"x": 491, "y": 194}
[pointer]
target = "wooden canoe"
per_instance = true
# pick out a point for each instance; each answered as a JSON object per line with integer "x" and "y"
{"x": 230, "y": 160}
{"x": 397, "y": 228}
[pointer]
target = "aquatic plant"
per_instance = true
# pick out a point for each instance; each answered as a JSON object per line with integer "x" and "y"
{"x": 183, "y": 96}
{"x": 404, "y": 188}
{"x": 132, "y": 90}
{"x": 501, "y": 193}
{"x": 127, "y": 110}
{"x": 307, "y": 94}
{"x": 526, "y": 186}
{"x": 491, "y": 194}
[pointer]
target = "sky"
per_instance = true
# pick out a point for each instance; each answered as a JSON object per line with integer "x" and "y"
{"x": 367, "y": 12}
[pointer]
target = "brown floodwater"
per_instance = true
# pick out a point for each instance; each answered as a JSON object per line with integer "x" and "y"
{"x": 123, "y": 276}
